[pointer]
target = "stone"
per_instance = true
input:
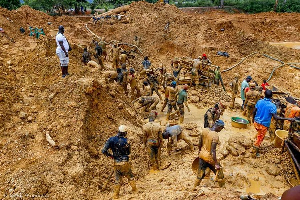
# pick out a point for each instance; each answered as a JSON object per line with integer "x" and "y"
{"x": 22, "y": 115}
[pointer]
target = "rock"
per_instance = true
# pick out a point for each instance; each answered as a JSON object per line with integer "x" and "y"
{"x": 51, "y": 96}
{"x": 120, "y": 106}
{"x": 74, "y": 148}
{"x": 29, "y": 119}
{"x": 272, "y": 169}
{"x": 232, "y": 150}
{"x": 194, "y": 99}
{"x": 22, "y": 115}
{"x": 49, "y": 139}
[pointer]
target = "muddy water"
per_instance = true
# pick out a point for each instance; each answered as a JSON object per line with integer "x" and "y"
{"x": 293, "y": 45}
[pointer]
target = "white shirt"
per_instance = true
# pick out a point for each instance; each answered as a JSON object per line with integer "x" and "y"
{"x": 61, "y": 38}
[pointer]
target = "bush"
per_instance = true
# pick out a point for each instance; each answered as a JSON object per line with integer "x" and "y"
{"x": 256, "y": 6}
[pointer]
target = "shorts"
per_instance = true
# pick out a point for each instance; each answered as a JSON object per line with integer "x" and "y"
{"x": 64, "y": 61}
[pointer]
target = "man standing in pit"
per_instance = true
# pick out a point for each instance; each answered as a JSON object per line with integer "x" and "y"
{"x": 234, "y": 86}
{"x": 62, "y": 50}
{"x": 173, "y": 134}
{"x": 115, "y": 52}
{"x": 262, "y": 115}
{"x": 244, "y": 85}
{"x": 182, "y": 99}
{"x": 172, "y": 92}
{"x": 103, "y": 44}
{"x": 252, "y": 96}
{"x": 98, "y": 55}
{"x": 120, "y": 153}
{"x": 208, "y": 142}
{"x": 86, "y": 56}
{"x": 132, "y": 80}
{"x": 153, "y": 139}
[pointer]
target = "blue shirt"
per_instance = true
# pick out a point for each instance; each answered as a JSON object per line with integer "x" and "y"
{"x": 265, "y": 109}
{"x": 243, "y": 86}
{"x": 119, "y": 146}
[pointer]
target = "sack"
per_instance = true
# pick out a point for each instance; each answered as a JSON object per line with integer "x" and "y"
{"x": 206, "y": 156}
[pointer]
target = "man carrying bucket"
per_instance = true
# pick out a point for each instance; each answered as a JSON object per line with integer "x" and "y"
{"x": 262, "y": 115}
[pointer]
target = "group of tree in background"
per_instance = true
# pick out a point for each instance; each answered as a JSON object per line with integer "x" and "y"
{"x": 248, "y": 6}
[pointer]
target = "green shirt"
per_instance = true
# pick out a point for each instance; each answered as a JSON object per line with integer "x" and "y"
{"x": 182, "y": 97}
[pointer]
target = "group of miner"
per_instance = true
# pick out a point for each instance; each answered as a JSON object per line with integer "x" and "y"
{"x": 257, "y": 106}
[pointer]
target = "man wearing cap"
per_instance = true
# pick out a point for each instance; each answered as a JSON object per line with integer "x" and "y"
{"x": 120, "y": 153}
{"x": 244, "y": 85}
{"x": 252, "y": 96}
{"x": 262, "y": 115}
{"x": 171, "y": 94}
{"x": 182, "y": 99}
{"x": 153, "y": 139}
{"x": 234, "y": 86}
{"x": 62, "y": 50}
{"x": 173, "y": 134}
{"x": 208, "y": 141}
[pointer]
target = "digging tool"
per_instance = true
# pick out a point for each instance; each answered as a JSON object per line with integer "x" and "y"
{"x": 108, "y": 178}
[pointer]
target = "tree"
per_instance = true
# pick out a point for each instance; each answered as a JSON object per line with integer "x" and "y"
{"x": 12, "y": 4}
{"x": 48, "y": 5}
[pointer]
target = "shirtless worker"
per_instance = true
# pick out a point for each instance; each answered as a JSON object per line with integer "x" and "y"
{"x": 123, "y": 58}
{"x": 173, "y": 134}
{"x": 120, "y": 148}
{"x": 148, "y": 103}
{"x": 235, "y": 88}
{"x": 171, "y": 93}
{"x": 103, "y": 44}
{"x": 153, "y": 140}
{"x": 132, "y": 80}
{"x": 252, "y": 96}
{"x": 115, "y": 52}
{"x": 208, "y": 142}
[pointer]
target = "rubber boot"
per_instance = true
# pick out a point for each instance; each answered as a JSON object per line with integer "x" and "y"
{"x": 116, "y": 191}
{"x": 133, "y": 186}
{"x": 181, "y": 118}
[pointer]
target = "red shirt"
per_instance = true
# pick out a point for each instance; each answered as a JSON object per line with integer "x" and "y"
{"x": 263, "y": 85}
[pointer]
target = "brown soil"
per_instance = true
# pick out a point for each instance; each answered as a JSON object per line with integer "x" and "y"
{"x": 81, "y": 112}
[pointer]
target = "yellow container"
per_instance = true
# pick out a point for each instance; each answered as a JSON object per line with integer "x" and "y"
{"x": 280, "y": 136}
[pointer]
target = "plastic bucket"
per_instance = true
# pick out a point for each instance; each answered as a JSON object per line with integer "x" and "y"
{"x": 280, "y": 135}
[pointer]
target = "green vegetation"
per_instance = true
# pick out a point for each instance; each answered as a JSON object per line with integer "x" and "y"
{"x": 248, "y": 6}
{"x": 12, "y": 4}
